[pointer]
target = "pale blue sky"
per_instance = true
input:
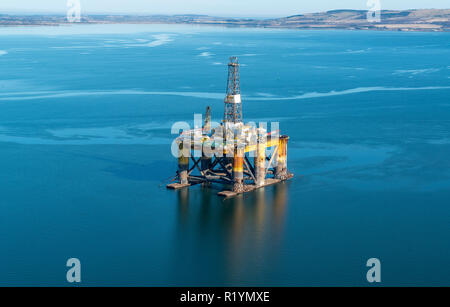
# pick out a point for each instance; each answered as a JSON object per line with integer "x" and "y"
{"x": 212, "y": 7}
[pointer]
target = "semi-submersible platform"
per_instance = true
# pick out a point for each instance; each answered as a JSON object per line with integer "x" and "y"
{"x": 224, "y": 154}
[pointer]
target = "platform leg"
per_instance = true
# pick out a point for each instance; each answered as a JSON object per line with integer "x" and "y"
{"x": 238, "y": 169}
{"x": 183, "y": 165}
{"x": 281, "y": 168}
{"x": 260, "y": 161}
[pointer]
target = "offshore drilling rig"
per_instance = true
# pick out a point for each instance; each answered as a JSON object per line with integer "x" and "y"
{"x": 224, "y": 154}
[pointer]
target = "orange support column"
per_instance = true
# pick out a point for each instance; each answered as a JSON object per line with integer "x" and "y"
{"x": 238, "y": 169}
{"x": 281, "y": 169}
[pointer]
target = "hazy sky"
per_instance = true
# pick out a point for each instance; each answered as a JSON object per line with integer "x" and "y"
{"x": 212, "y": 7}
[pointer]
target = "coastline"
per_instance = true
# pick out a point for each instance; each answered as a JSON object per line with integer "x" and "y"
{"x": 403, "y": 21}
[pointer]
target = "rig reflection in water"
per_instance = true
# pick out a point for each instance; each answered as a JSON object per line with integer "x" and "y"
{"x": 236, "y": 239}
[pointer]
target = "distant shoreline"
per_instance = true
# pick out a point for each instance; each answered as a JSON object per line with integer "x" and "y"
{"x": 426, "y": 20}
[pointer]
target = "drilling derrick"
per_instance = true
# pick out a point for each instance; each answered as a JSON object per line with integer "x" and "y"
{"x": 233, "y": 103}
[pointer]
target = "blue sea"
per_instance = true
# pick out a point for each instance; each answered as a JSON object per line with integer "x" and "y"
{"x": 85, "y": 134}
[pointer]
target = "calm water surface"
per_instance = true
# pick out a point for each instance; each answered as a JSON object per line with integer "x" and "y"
{"x": 85, "y": 117}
